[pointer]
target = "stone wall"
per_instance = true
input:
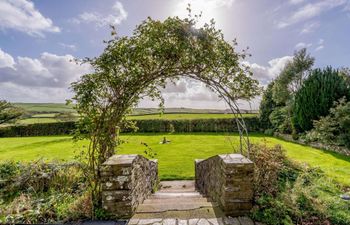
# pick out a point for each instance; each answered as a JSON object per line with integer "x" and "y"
{"x": 127, "y": 180}
{"x": 228, "y": 180}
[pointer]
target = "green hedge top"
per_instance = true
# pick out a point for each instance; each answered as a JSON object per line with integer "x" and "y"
{"x": 179, "y": 126}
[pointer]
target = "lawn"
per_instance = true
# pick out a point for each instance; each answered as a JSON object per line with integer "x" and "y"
{"x": 176, "y": 160}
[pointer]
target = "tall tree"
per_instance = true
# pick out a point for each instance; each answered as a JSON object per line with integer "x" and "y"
{"x": 292, "y": 76}
{"x": 267, "y": 105}
{"x": 285, "y": 87}
{"x": 317, "y": 96}
{"x": 8, "y": 112}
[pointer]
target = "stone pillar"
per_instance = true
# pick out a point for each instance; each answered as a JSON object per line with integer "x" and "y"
{"x": 228, "y": 180}
{"x": 127, "y": 180}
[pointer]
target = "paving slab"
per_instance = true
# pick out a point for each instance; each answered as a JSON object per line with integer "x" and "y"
{"x": 177, "y": 186}
{"x": 149, "y": 221}
{"x": 245, "y": 220}
{"x": 216, "y": 221}
{"x": 171, "y": 221}
{"x": 203, "y": 221}
{"x": 231, "y": 221}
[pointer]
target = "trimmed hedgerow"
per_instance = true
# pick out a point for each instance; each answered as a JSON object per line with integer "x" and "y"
{"x": 144, "y": 126}
{"x": 195, "y": 125}
{"x": 38, "y": 129}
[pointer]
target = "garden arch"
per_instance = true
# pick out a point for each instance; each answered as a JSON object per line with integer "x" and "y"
{"x": 136, "y": 66}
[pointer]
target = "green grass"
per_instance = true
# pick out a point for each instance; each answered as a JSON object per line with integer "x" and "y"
{"x": 44, "y": 115}
{"x": 45, "y": 107}
{"x": 49, "y": 117}
{"x": 36, "y": 120}
{"x": 176, "y": 160}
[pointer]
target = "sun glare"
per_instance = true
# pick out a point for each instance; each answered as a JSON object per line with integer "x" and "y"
{"x": 207, "y": 9}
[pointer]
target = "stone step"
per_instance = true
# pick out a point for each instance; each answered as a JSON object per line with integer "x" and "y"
{"x": 206, "y": 212}
{"x": 175, "y": 195}
{"x": 184, "y": 200}
{"x": 177, "y": 186}
{"x": 176, "y": 199}
{"x": 179, "y": 206}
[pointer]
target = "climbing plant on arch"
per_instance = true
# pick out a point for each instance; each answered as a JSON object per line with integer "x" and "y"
{"x": 136, "y": 66}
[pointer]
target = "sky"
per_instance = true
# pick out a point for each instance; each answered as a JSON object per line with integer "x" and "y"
{"x": 39, "y": 39}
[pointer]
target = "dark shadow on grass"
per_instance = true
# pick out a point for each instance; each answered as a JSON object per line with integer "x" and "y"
{"x": 44, "y": 143}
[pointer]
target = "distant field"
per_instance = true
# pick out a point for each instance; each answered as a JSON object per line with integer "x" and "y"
{"x": 49, "y": 117}
{"x": 62, "y": 107}
{"x": 176, "y": 159}
{"x": 44, "y": 115}
{"x": 36, "y": 120}
{"x": 46, "y": 112}
{"x": 45, "y": 107}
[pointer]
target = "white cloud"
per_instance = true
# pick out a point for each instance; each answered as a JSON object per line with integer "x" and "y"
{"x": 310, "y": 27}
{"x": 303, "y": 45}
{"x": 319, "y": 48}
{"x": 320, "y": 45}
{"x": 187, "y": 93}
{"x": 68, "y": 46}
{"x": 21, "y": 15}
{"x": 101, "y": 19}
{"x": 6, "y": 60}
{"x": 188, "y": 89}
{"x": 179, "y": 86}
{"x": 190, "y": 93}
{"x": 266, "y": 74}
{"x": 19, "y": 93}
{"x": 295, "y": 2}
{"x": 310, "y": 11}
{"x": 43, "y": 79}
{"x": 49, "y": 70}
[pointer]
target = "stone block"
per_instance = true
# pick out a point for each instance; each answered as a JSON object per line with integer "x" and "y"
{"x": 126, "y": 181}
{"x": 227, "y": 179}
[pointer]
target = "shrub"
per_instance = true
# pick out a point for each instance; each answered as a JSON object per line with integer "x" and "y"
{"x": 280, "y": 120}
{"x": 333, "y": 129}
{"x": 81, "y": 208}
{"x": 40, "y": 192}
{"x": 270, "y": 164}
{"x": 288, "y": 193}
{"x": 316, "y": 97}
{"x": 269, "y": 132}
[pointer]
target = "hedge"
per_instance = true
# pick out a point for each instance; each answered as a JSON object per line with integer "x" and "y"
{"x": 38, "y": 129}
{"x": 145, "y": 126}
